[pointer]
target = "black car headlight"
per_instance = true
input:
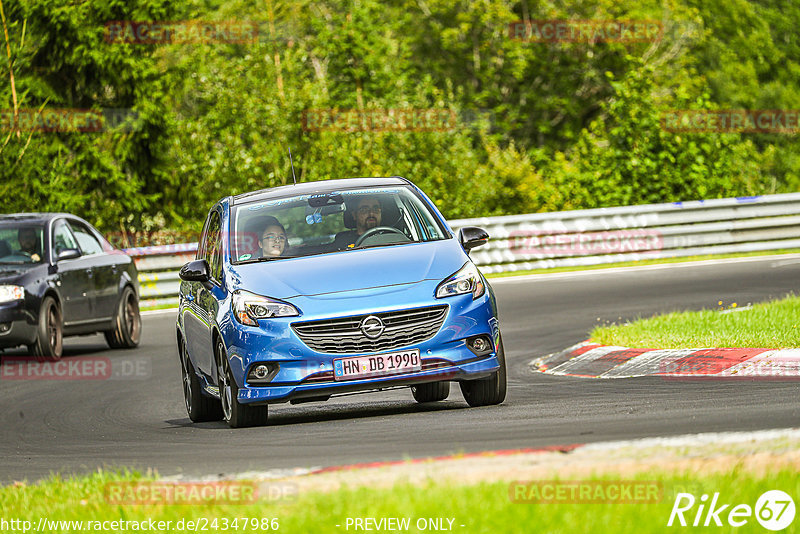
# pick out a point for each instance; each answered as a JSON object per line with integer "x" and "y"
{"x": 249, "y": 307}
{"x": 466, "y": 280}
{"x": 11, "y": 293}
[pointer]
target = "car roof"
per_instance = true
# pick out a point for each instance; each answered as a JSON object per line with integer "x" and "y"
{"x": 321, "y": 186}
{"x": 34, "y": 217}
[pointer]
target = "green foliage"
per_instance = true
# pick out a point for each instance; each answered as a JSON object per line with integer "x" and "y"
{"x": 60, "y": 61}
{"x": 570, "y": 125}
{"x": 626, "y": 157}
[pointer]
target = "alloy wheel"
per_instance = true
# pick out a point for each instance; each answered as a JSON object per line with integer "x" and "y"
{"x": 225, "y": 389}
{"x": 54, "y": 331}
{"x": 132, "y": 319}
{"x": 187, "y": 379}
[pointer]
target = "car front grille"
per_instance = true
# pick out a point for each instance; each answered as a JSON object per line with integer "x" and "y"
{"x": 344, "y": 336}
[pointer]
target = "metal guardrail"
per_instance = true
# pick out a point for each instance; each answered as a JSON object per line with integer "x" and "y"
{"x": 632, "y": 233}
{"x": 574, "y": 238}
{"x": 158, "y": 272}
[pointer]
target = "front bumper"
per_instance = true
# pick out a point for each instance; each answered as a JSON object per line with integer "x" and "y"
{"x": 276, "y": 393}
{"x": 17, "y": 325}
{"x": 305, "y": 373}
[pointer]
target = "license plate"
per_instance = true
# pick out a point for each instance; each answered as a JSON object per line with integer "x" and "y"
{"x": 377, "y": 365}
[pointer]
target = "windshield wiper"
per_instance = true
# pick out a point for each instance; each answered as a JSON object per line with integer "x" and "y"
{"x": 266, "y": 258}
{"x": 361, "y": 247}
{"x": 270, "y": 258}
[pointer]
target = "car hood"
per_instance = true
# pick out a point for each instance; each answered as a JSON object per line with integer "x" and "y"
{"x": 350, "y": 270}
{"x": 12, "y": 275}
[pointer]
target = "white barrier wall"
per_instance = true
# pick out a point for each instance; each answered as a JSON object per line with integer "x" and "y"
{"x": 609, "y": 235}
{"x": 583, "y": 237}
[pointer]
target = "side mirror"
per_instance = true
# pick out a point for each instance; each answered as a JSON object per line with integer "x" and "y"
{"x": 472, "y": 236}
{"x": 195, "y": 271}
{"x": 68, "y": 254}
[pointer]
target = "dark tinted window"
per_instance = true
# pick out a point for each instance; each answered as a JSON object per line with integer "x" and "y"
{"x": 86, "y": 239}
{"x": 201, "y": 246}
{"x": 213, "y": 246}
{"x": 21, "y": 243}
{"x": 62, "y": 238}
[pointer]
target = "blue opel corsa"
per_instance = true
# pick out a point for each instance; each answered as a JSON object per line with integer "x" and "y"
{"x": 303, "y": 292}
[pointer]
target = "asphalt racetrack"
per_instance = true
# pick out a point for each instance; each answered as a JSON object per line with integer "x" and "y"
{"x": 73, "y": 426}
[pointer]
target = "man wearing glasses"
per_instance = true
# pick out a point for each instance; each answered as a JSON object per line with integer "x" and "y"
{"x": 367, "y": 215}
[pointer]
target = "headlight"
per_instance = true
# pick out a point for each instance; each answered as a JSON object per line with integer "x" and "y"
{"x": 466, "y": 280}
{"x": 249, "y": 307}
{"x": 11, "y": 293}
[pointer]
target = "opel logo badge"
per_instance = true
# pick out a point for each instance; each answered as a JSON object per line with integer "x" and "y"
{"x": 372, "y": 327}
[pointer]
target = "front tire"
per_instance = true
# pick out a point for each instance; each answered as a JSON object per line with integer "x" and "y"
{"x": 200, "y": 407}
{"x": 432, "y": 392}
{"x": 49, "y": 343}
{"x": 490, "y": 390}
{"x": 128, "y": 322}
{"x": 234, "y": 413}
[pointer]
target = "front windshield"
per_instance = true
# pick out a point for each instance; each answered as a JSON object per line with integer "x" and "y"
{"x": 320, "y": 223}
{"x": 21, "y": 243}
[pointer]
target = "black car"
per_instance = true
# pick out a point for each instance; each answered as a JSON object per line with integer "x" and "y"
{"x": 60, "y": 277}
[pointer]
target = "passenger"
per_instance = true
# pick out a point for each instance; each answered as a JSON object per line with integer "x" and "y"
{"x": 29, "y": 243}
{"x": 367, "y": 215}
{"x": 272, "y": 240}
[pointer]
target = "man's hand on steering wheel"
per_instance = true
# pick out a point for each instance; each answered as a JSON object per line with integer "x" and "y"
{"x": 32, "y": 255}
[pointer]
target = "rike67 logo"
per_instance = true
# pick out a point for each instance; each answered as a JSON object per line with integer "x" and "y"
{"x": 774, "y": 510}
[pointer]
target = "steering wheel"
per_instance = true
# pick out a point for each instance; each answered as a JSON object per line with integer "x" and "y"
{"x": 377, "y": 231}
{"x": 34, "y": 257}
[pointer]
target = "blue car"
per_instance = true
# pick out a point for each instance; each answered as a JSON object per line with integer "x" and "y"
{"x": 308, "y": 291}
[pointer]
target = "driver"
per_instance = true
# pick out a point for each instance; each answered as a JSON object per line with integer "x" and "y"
{"x": 367, "y": 214}
{"x": 29, "y": 243}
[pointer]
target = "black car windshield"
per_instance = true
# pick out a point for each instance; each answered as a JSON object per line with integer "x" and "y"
{"x": 320, "y": 223}
{"x": 21, "y": 243}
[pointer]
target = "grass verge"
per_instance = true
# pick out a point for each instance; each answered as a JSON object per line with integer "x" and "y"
{"x": 476, "y": 508}
{"x": 165, "y": 306}
{"x": 771, "y": 324}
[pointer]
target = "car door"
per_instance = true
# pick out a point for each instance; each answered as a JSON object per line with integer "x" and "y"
{"x": 190, "y": 316}
{"x": 104, "y": 295}
{"x": 73, "y": 277}
{"x": 199, "y": 314}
